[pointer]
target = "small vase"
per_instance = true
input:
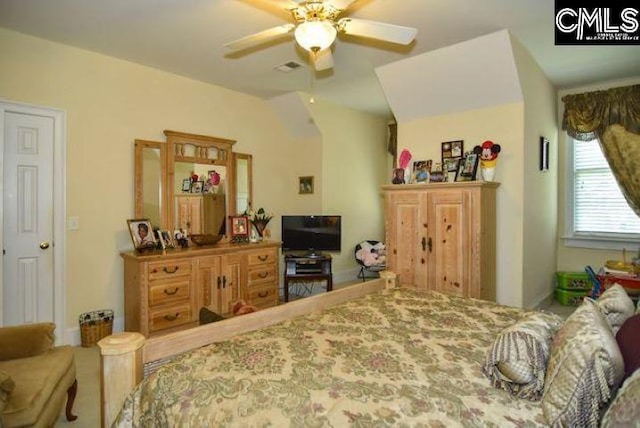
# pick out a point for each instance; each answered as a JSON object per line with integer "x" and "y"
{"x": 487, "y": 173}
{"x": 260, "y": 226}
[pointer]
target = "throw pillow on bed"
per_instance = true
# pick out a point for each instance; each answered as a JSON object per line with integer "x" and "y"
{"x": 628, "y": 338}
{"x": 517, "y": 361}
{"x": 624, "y": 410}
{"x": 584, "y": 370}
{"x": 616, "y": 306}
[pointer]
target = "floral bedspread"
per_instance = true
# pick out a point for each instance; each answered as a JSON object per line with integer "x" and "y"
{"x": 395, "y": 358}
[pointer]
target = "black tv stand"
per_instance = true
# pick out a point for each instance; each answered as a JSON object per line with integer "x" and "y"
{"x": 308, "y": 267}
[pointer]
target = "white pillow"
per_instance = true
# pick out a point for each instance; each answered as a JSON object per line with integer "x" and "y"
{"x": 584, "y": 370}
{"x": 616, "y": 306}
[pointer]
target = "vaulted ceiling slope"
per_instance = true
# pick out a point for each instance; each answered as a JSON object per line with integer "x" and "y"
{"x": 187, "y": 37}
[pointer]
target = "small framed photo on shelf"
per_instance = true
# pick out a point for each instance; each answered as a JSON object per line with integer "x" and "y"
{"x": 305, "y": 185}
{"x": 421, "y": 171}
{"x": 197, "y": 186}
{"x": 450, "y": 169}
{"x": 239, "y": 226}
{"x": 141, "y": 234}
{"x": 468, "y": 167}
{"x": 452, "y": 150}
{"x": 398, "y": 176}
{"x": 186, "y": 185}
{"x": 167, "y": 240}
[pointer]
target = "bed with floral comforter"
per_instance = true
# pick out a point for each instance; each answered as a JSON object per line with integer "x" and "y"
{"x": 394, "y": 358}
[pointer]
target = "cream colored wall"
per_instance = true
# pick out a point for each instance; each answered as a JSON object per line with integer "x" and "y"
{"x": 572, "y": 258}
{"x": 354, "y": 168}
{"x": 503, "y": 125}
{"x": 540, "y": 188}
{"x": 111, "y": 102}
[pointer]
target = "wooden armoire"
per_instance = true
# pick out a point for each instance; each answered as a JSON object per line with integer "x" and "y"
{"x": 442, "y": 236}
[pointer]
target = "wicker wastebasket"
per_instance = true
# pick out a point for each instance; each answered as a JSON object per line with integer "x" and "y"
{"x": 94, "y": 326}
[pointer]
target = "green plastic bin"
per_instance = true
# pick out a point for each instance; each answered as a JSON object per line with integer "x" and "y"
{"x": 570, "y": 298}
{"x": 573, "y": 281}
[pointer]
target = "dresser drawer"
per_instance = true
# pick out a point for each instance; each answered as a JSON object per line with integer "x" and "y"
{"x": 258, "y": 257}
{"x": 266, "y": 275}
{"x": 263, "y": 297}
{"x": 169, "y": 317}
{"x": 164, "y": 292}
{"x": 169, "y": 269}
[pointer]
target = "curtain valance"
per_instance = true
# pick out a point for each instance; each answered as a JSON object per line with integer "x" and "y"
{"x": 587, "y": 115}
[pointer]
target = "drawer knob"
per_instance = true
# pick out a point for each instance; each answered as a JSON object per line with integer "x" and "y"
{"x": 263, "y": 258}
{"x": 170, "y": 292}
{"x": 175, "y": 269}
{"x": 169, "y": 317}
{"x": 263, "y": 294}
{"x": 263, "y": 274}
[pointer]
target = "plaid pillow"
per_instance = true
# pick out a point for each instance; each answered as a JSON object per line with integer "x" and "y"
{"x": 517, "y": 361}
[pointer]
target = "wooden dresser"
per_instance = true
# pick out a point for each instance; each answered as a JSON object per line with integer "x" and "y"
{"x": 164, "y": 290}
{"x": 442, "y": 236}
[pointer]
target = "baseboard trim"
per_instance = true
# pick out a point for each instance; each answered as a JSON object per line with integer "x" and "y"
{"x": 543, "y": 303}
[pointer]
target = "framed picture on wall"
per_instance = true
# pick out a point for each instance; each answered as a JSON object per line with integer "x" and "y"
{"x": 305, "y": 185}
{"x": 544, "y": 154}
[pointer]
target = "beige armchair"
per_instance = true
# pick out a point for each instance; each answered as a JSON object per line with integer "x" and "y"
{"x": 35, "y": 377}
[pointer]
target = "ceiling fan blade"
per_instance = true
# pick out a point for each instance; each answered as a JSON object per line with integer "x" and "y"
{"x": 377, "y": 30}
{"x": 261, "y": 37}
{"x": 322, "y": 60}
{"x": 285, "y": 4}
{"x": 341, "y": 4}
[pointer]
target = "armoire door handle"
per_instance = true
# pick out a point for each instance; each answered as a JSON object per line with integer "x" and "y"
{"x": 430, "y": 244}
{"x": 424, "y": 244}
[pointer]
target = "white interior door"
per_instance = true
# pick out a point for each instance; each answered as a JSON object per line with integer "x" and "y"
{"x": 32, "y": 212}
{"x": 28, "y": 286}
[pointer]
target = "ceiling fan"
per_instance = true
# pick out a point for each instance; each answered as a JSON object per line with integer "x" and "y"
{"x": 317, "y": 25}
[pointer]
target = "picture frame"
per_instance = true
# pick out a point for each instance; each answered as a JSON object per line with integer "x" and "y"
{"x": 544, "y": 154}
{"x": 398, "y": 176}
{"x": 167, "y": 239}
{"x": 305, "y": 185}
{"x": 197, "y": 186}
{"x": 468, "y": 167}
{"x": 186, "y": 185}
{"x": 239, "y": 226}
{"x": 421, "y": 170}
{"x": 451, "y": 169}
{"x": 451, "y": 150}
{"x": 180, "y": 238}
{"x": 142, "y": 234}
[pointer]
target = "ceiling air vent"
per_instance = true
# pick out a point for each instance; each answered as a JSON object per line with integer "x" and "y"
{"x": 288, "y": 66}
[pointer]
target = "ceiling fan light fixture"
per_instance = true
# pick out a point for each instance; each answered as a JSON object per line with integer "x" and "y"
{"x": 315, "y": 35}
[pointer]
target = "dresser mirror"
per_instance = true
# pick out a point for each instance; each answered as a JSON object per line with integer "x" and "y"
{"x": 168, "y": 193}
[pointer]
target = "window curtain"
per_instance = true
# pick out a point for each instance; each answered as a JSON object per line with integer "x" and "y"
{"x": 613, "y": 118}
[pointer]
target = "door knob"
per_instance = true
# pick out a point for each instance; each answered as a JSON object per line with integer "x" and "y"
{"x": 44, "y": 245}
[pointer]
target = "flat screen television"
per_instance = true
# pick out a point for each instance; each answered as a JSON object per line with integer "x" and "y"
{"x": 311, "y": 233}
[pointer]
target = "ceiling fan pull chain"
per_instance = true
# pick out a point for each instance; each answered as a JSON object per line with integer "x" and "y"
{"x": 313, "y": 55}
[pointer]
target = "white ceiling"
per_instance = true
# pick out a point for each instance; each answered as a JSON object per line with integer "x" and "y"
{"x": 186, "y": 37}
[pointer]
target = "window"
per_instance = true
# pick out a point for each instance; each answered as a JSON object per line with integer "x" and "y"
{"x": 598, "y": 214}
